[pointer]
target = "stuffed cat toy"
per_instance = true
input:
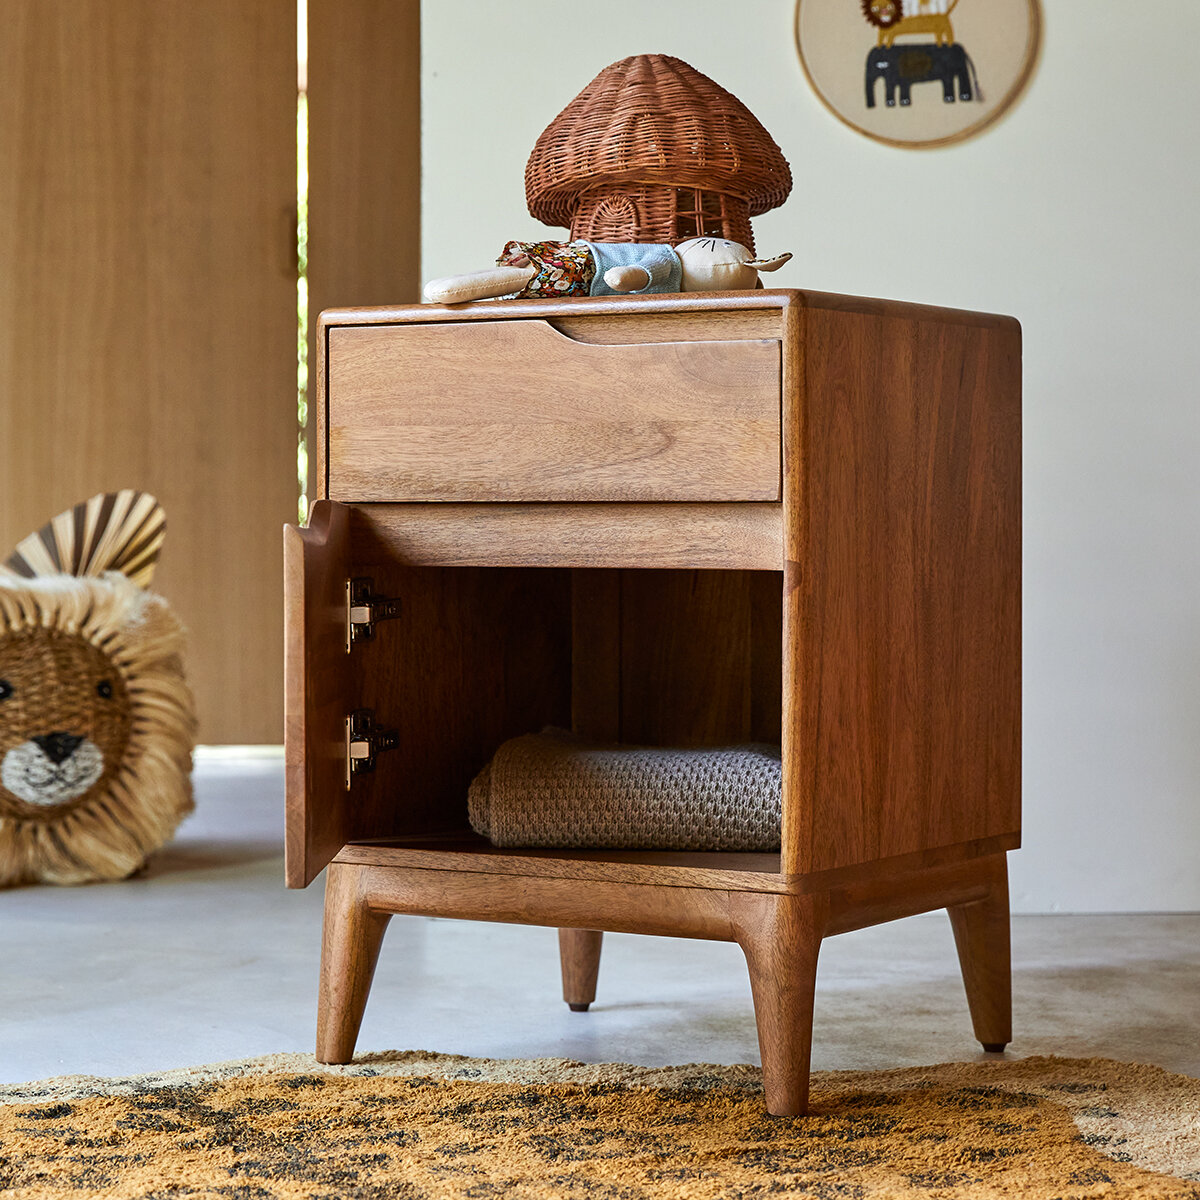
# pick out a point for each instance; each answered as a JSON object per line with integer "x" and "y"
{"x": 96, "y": 722}
{"x": 533, "y": 269}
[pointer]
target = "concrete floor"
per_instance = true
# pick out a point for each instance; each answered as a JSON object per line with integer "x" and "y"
{"x": 208, "y": 957}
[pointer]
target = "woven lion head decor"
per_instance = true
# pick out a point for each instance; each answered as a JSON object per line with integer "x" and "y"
{"x": 97, "y": 724}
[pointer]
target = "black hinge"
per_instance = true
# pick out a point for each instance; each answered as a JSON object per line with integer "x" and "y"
{"x": 364, "y": 740}
{"x": 364, "y": 608}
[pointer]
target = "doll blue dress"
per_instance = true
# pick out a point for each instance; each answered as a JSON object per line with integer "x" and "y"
{"x": 577, "y": 268}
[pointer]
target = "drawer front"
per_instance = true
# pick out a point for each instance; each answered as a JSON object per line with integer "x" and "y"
{"x": 516, "y": 410}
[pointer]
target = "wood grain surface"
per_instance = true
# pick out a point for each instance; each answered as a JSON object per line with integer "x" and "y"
{"x": 596, "y": 654}
{"x": 700, "y": 657}
{"x": 320, "y": 692}
{"x": 147, "y": 305}
{"x": 476, "y": 656}
{"x": 351, "y": 939}
{"x": 364, "y": 170}
{"x": 781, "y": 938}
{"x": 631, "y": 326}
{"x": 547, "y": 900}
{"x": 465, "y": 851}
{"x": 982, "y": 938}
{"x": 579, "y": 952}
{"x": 723, "y": 307}
{"x": 780, "y": 934}
{"x": 885, "y": 655}
{"x": 899, "y": 621}
{"x": 902, "y": 452}
{"x": 747, "y": 536}
{"x": 519, "y": 411}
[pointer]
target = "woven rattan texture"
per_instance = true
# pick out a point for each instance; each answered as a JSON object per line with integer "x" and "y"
{"x": 551, "y": 789}
{"x": 96, "y": 728}
{"x": 658, "y": 215}
{"x": 59, "y": 676}
{"x": 648, "y": 141}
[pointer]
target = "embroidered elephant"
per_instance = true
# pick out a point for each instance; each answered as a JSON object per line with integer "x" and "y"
{"x": 901, "y": 66}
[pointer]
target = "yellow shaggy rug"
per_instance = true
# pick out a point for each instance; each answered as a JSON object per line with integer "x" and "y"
{"x": 410, "y": 1126}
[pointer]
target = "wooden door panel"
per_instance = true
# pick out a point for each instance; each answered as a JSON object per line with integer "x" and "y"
{"x": 364, "y": 168}
{"x": 148, "y": 304}
{"x": 318, "y": 683}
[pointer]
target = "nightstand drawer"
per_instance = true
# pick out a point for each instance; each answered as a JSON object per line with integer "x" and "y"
{"x": 516, "y": 410}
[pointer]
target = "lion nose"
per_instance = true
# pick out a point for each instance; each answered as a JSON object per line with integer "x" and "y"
{"x": 58, "y": 747}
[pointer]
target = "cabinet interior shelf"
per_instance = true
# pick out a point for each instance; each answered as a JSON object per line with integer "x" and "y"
{"x": 465, "y": 851}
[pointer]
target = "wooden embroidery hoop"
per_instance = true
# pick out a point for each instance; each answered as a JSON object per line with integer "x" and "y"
{"x": 1029, "y": 61}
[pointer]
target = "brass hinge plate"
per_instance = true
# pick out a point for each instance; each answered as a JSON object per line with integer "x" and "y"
{"x": 364, "y": 740}
{"x": 363, "y": 608}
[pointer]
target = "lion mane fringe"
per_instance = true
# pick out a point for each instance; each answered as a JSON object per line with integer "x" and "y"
{"x": 138, "y": 806}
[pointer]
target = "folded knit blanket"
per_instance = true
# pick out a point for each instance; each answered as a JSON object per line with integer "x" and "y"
{"x": 553, "y": 789}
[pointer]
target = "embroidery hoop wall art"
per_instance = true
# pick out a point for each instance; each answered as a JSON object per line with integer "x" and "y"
{"x": 917, "y": 72}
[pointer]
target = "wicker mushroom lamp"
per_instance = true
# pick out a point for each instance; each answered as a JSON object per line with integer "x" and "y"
{"x": 654, "y": 151}
{"x": 96, "y": 719}
{"x": 656, "y": 170}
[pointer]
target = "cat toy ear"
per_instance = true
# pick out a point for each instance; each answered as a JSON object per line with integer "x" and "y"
{"x": 768, "y": 264}
{"x": 114, "y": 531}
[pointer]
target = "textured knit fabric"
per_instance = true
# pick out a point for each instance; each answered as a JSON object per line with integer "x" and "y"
{"x": 660, "y": 262}
{"x": 552, "y": 789}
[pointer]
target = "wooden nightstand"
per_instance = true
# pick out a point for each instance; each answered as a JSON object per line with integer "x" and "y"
{"x": 665, "y": 520}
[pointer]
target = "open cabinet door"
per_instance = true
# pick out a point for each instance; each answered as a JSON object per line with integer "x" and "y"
{"x": 316, "y": 689}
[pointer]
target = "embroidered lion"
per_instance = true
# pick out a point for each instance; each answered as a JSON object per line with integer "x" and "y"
{"x": 895, "y": 17}
{"x": 97, "y": 723}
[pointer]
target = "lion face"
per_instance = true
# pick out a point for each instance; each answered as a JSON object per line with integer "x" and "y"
{"x": 882, "y": 13}
{"x": 96, "y": 728}
{"x": 64, "y": 722}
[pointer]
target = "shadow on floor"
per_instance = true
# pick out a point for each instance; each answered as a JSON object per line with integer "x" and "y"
{"x": 209, "y": 856}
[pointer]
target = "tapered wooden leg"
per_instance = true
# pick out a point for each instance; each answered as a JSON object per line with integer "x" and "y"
{"x": 981, "y": 933}
{"x": 781, "y": 936}
{"x": 349, "y": 951}
{"x": 579, "y": 951}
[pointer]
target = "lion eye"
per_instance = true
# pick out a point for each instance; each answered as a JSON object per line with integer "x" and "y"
{"x": 6, "y": 689}
{"x": 104, "y": 690}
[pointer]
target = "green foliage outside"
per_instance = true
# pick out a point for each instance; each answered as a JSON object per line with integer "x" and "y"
{"x": 302, "y": 301}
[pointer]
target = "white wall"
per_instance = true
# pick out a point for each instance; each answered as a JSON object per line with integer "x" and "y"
{"x": 1079, "y": 213}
